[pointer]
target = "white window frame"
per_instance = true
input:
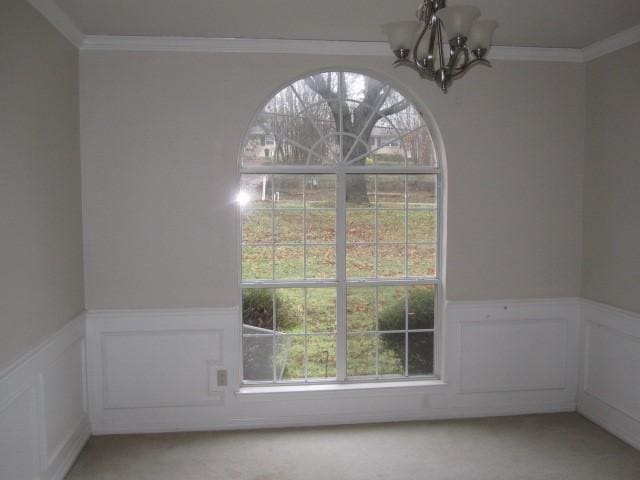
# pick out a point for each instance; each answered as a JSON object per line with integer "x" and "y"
{"x": 341, "y": 283}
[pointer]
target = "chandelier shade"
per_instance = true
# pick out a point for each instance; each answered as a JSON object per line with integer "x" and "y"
{"x": 444, "y": 43}
{"x": 481, "y": 34}
{"x": 457, "y": 21}
{"x": 401, "y": 34}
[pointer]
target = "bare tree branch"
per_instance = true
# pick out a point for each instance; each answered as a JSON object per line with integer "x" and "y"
{"x": 393, "y": 109}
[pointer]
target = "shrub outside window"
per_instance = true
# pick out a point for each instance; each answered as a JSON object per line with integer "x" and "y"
{"x": 340, "y": 235}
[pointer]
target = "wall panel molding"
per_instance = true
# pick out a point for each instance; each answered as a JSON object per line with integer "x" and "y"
{"x": 171, "y": 358}
{"x": 514, "y": 355}
{"x": 516, "y": 345}
{"x": 609, "y": 392}
{"x": 44, "y": 419}
{"x": 121, "y": 387}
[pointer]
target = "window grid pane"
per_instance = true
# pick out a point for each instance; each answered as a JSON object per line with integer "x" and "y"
{"x": 404, "y": 235}
{"x": 404, "y": 318}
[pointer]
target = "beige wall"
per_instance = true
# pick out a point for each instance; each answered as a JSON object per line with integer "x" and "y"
{"x": 41, "y": 278}
{"x": 611, "y": 272}
{"x": 160, "y": 138}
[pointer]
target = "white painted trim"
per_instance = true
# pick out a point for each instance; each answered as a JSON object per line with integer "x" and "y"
{"x": 154, "y": 313}
{"x": 262, "y": 407}
{"x": 313, "y": 420}
{"x": 615, "y": 42}
{"x": 522, "y": 322}
{"x": 344, "y": 390}
{"x": 520, "y": 303}
{"x": 303, "y": 47}
{"x": 26, "y": 377}
{"x": 536, "y": 54}
{"x": 77, "y": 442}
{"x": 37, "y": 359}
{"x": 234, "y": 45}
{"x": 214, "y": 397}
{"x": 611, "y": 419}
{"x": 625, "y": 321}
{"x": 607, "y": 412}
{"x": 54, "y": 14}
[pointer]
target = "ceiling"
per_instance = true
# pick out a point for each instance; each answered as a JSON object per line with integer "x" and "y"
{"x": 540, "y": 23}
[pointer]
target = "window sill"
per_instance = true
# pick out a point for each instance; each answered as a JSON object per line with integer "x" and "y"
{"x": 261, "y": 393}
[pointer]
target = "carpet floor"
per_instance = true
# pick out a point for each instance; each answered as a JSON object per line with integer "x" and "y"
{"x": 540, "y": 447}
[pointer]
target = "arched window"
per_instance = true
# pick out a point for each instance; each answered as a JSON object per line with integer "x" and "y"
{"x": 340, "y": 206}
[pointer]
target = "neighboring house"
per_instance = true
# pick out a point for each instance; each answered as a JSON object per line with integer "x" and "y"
{"x": 383, "y": 141}
{"x": 264, "y": 143}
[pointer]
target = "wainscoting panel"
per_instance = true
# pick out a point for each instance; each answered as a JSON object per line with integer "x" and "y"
{"x": 18, "y": 438}
{"x": 43, "y": 408}
{"x": 153, "y": 367}
{"x": 610, "y": 387}
{"x": 513, "y": 355}
{"x": 63, "y": 401}
{"x": 156, "y": 371}
{"x": 161, "y": 377}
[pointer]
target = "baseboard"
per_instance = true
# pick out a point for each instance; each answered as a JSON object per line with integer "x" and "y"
{"x": 609, "y": 389}
{"x": 43, "y": 407}
{"x": 78, "y": 441}
{"x": 331, "y": 420}
{"x": 612, "y": 420}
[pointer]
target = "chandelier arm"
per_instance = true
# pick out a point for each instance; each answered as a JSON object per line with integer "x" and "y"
{"x": 416, "y": 60}
{"x": 453, "y": 61}
{"x": 406, "y": 63}
{"x": 466, "y": 58}
{"x": 439, "y": 43}
{"x": 469, "y": 66}
{"x": 431, "y": 58}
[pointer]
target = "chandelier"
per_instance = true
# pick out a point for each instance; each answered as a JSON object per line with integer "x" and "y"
{"x": 419, "y": 44}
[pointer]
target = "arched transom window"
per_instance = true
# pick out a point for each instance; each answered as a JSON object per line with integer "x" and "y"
{"x": 339, "y": 197}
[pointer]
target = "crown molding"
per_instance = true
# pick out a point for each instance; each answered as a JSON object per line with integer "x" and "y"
{"x": 304, "y": 47}
{"x": 233, "y": 45}
{"x": 54, "y": 14}
{"x": 613, "y": 43}
{"x": 536, "y": 54}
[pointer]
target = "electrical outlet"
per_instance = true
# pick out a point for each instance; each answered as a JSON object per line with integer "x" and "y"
{"x": 222, "y": 378}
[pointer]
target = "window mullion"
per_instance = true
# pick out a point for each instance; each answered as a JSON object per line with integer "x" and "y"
{"x": 341, "y": 272}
